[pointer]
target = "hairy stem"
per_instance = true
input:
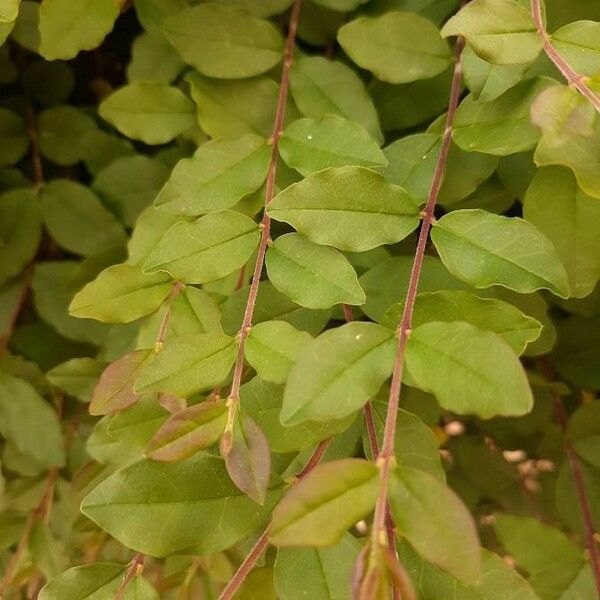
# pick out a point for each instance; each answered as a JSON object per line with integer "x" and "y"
{"x": 385, "y": 459}
{"x": 263, "y": 541}
{"x": 573, "y": 78}
{"x": 39, "y": 514}
{"x": 265, "y": 225}
{"x": 578, "y": 480}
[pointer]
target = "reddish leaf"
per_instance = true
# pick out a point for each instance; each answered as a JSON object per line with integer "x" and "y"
{"x": 114, "y": 390}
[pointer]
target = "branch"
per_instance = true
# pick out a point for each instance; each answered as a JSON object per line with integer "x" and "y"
{"x": 265, "y": 225}
{"x": 263, "y": 541}
{"x": 575, "y": 464}
{"x": 136, "y": 566}
{"x": 385, "y": 459}
{"x": 19, "y": 306}
{"x": 40, "y": 513}
{"x": 573, "y": 78}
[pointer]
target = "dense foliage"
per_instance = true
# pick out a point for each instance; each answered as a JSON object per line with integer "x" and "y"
{"x": 300, "y": 300}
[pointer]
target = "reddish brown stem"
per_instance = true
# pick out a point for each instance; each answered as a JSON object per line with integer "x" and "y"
{"x": 573, "y": 78}
{"x": 136, "y": 566}
{"x": 20, "y": 304}
{"x": 386, "y": 455}
{"x": 265, "y": 224}
{"x": 263, "y": 541}
{"x": 40, "y": 513}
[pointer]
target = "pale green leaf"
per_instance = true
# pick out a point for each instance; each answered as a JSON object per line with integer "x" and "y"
{"x": 396, "y": 47}
{"x": 351, "y": 208}
{"x": 338, "y": 373}
{"x": 310, "y": 145}
{"x": 149, "y": 111}
{"x": 500, "y": 31}
{"x": 206, "y": 513}
{"x": 319, "y": 509}
{"x": 77, "y": 220}
{"x": 223, "y": 42}
{"x": 579, "y": 44}
{"x": 120, "y": 294}
{"x": 311, "y": 275}
{"x": 153, "y": 58}
{"x": 66, "y": 28}
{"x": 219, "y": 174}
{"x": 272, "y": 347}
{"x": 77, "y": 377}
{"x": 484, "y": 249}
{"x": 9, "y": 9}
{"x": 476, "y": 371}
{"x": 435, "y": 521}
{"x": 205, "y": 250}
{"x": 189, "y": 364}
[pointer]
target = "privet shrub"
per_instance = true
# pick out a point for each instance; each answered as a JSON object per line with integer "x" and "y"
{"x": 299, "y": 299}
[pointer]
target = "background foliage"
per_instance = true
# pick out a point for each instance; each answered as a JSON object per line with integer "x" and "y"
{"x": 173, "y": 425}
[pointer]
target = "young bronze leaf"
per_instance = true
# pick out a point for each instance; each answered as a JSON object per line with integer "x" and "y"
{"x": 187, "y": 431}
{"x": 248, "y": 458}
{"x": 114, "y": 391}
{"x": 319, "y": 509}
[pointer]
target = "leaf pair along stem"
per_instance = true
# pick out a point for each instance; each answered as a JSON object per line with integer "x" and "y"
{"x": 573, "y": 78}
{"x": 265, "y": 225}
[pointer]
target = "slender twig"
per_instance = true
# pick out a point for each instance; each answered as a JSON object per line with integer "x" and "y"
{"x": 40, "y": 513}
{"x": 136, "y": 566}
{"x": 265, "y": 225}
{"x": 263, "y": 541}
{"x": 18, "y": 308}
{"x": 573, "y": 78}
{"x": 164, "y": 324}
{"x": 578, "y": 479}
{"x": 385, "y": 460}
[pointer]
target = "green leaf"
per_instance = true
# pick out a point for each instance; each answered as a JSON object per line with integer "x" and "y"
{"x": 350, "y": 208}
{"x": 309, "y": 145}
{"x": 129, "y": 184}
{"x": 500, "y": 31}
{"x": 415, "y": 444}
{"x": 272, "y": 347}
{"x": 329, "y": 570}
{"x": 149, "y": 111}
{"x": 9, "y": 9}
{"x": 552, "y": 560}
{"x": 261, "y": 8}
{"x": 205, "y": 511}
{"x": 412, "y": 161}
{"x": 120, "y": 294}
{"x": 497, "y": 579}
{"x": 341, "y": 5}
{"x": 248, "y": 457}
{"x": 487, "y": 314}
{"x": 476, "y": 371}
{"x": 206, "y": 249}
{"x": 485, "y": 249}
{"x": 570, "y": 135}
{"x": 26, "y": 30}
{"x": 189, "y": 364}
{"x": 20, "y": 231}
{"x": 100, "y": 580}
{"x": 223, "y": 42}
{"x": 263, "y": 401}
{"x": 13, "y": 137}
{"x": 396, "y": 47}
{"x": 311, "y": 275}
{"x": 153, "y": 58}
{"x": 321, "y": 87}
{"x": 571, "y": 220}
{"x": 77, "y": 220}
{"x": 502, "y": 126}
{"x": 338, "y": 373}
{"x": 77, "y": 377}
{"x": 234, "y": 108}
{"x": 584, "y": 431}
{"x": 579, "y": 44}
{"x": 149, "y": 229}
{"x": 61, "y": 132}
{"x": 434, "y": 520}
{"x": 114, "y": 390}
{"x": 67, "y": 28}
{"x": 319, "y": 509}
{"x": 29, "y": 422}
{"x": 186, "y": 432}
{"x": 218, "y": 176}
